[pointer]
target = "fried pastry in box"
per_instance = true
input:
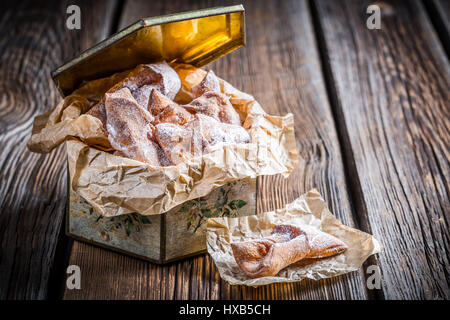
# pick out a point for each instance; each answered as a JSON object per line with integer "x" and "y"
{"x": 129, "y": 127}
{"x": 213, "y": 132}
{"x": 141, "y": 81}
{"x": 211, "y": 102}
{"x": 215, "y": 105}
{"x": 209, "y": 83}
{"x": 165, "y": 110}
{"x": 179, "y": 143}
{"x": 167, "y": 133}
{"x": 182, "y": 134}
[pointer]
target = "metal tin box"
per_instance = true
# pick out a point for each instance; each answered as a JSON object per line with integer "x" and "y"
{"x": 196, "y": 38}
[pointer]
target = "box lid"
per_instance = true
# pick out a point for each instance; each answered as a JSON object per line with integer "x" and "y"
{"x": 194, "y": 37}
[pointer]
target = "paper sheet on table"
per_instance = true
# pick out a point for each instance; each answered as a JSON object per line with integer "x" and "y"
{"x": 309, "y": 209}
{"x": 115, "y": 185}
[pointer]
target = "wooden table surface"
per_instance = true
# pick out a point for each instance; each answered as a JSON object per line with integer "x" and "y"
{"x": 372, "y": 122}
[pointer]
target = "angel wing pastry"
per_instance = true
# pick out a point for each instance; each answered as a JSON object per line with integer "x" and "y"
{"x": 129, "y": 128}
{"x": 211, "y": 102}
{"x": 141, "y": 82}
{"x": 287, "y": 244}
{"x": 143, "y": 122}
{"x": 165, "y": 110}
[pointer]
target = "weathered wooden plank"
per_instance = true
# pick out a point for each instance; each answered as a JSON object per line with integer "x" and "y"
{"x": 33, "y": 41}
{"x": 280, "y": 66}
{"x": 392, "y": 99}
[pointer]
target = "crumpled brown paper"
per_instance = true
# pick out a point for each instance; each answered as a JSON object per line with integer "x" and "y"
{"x": 115, "y": 185}
{"x": 66, "y": 120}
{"x": 309, "y": 209}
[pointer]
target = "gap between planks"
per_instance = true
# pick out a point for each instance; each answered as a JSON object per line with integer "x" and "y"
{"x": 400, "y": 82}
{"x": 359, "y": 210}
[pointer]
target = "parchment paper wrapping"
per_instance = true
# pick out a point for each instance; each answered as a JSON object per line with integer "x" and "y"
{"x": 309, "y": 209}
{"x": 115, "y": 185}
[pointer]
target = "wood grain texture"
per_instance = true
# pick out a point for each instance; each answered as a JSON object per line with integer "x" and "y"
{"x": 280, "y": 67}
{"x": 33, "y": 41}
{"x": 391, "y": 91}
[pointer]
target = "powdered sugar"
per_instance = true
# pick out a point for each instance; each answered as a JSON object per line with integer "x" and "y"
{"x": 140, "y": 82}
{"x": 287, "y": 244}
{"x": 216, "y": 105}
{"x": 144, "y": 123}
{"x": 129, "y": 127}
{"x": 209, "y": 83}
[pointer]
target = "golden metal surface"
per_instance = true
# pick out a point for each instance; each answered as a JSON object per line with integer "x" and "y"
{"x": 195, "y": 37}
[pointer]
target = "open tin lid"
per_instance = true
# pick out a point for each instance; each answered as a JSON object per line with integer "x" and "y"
{"x": 195, "y": 37}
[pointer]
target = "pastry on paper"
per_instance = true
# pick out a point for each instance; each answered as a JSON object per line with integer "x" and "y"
{"x": 287, "y": 245}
